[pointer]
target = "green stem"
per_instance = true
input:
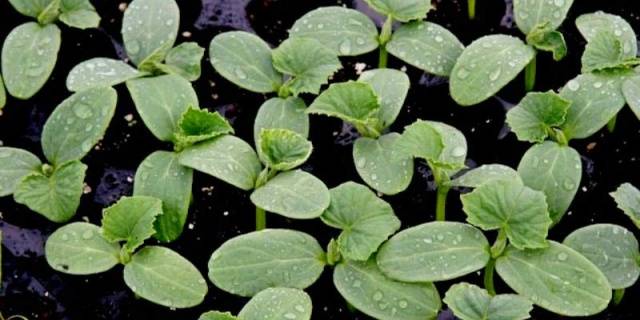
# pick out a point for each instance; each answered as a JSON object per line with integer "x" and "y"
{"x": 441, "y": 202}
{"x": 618, "y": 294}
{"x": 384, "y": 56}
{"x": 498, "y": 247}
{"x": 611, "y": 125}
{"x": 261, "y": 219}
{"x": 472, "y": 9}
{"x": 530, "y": 74}
{"x": 385, "y": 36}
{"x": 488, "y": 277}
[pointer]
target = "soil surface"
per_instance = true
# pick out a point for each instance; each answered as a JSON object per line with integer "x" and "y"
{"x": 219, "y": 212}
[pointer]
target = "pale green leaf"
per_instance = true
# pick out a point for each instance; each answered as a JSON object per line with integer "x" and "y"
{"x": 252, "y": 262}
{"x": 278, "y": 303}
{"x": 421, "y": 140}
{"x": 470, "y": 302}
{"x": 131, "y": 220}
{"x": 197, "y": 125}
{"x": 381, "y": 165}
{"x": 402, "y": 10}
{"x": 79, "y": 14}
{"x": 542, "y": 37}
{"x": 556, "y": 278}
{"x": 486, "y": 66}
{"x": 79, "y": 248}
{"x": 31, "y": 8}
{"x": 591, "y": 24}
{"x": 631, "y": 91}
{"x": 627, "y": 197}
{"x": 184, "y": 60}
{"x": 29, "y": 54}
{"x": 162, "y": 276}
{"x": 531, "y": 13}
{"x": 279, "y": 113}
{"x": 283, "y": 149}
{"x": 537, "y": 114}
{"x": 100, "y": 72}
{"x": 391, "y": 87}
{"x": 483, "y": 174}
{"x": 434, "y": 251}
{"x": 427, "y": 46}
{"x": 217, "y": 315}
{"x": 14, "y": 165}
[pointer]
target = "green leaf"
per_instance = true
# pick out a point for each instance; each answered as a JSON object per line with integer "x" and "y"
{"x": 531, "y": 13}
{"x": 596, "y": 98}
{"x": 381, "y": 165}
{"x": 604, "y": 51}
{"x": 434, "y": 251}
{"x": 197, "y": 125}
{"x": 184, "y": 60}
{"x": 308, "y": 62}
{"x": 627, "y": 197}
{"x": 366, "y": 221}
{"x": 245, "y": 60}
{"x": 293, "y": 194}
{"x": 161, "y": 176}
{"x": 421, "y": 140}
{"x": 79, "y": 14}
{"x": 3, "y": 94}
{"x": 453, "y": 156}
{"x": 537, "y": 114}
{"x": 15, "y": 164}
{"x": 483, "y": 174}
{"x": 56, "y": 197}
{"x": 591, "y": 24}
{"x": 391, "y": 87}
{"x": 29, "y": 54}
{"x": 631, "y": 91}
{"x": 470, "y": 302}
{"x": 486, "y": 66}
{"x": 402, "y": 10}
{"x": 542, "y": 37}
{"x": 278, "y": 303}
{"x": 217, "y": 315}
{"x": 510, "y": 206}
{"x": 79, "y": 248}
{"x": 162, "y": 276}
{"x": 227, "y": 158}
{"x": 613, "y": 249}
{"x": 353, "y": 102}
{"x": 131, "y": 220}
{"x": 282, "y": 149}
{"x": 368, "y": 290}
{"x": 149, "y": 29}
{"x": 252, "y": 262}
{"x": 555, "y": 170}
{"x": 556, "y": 278}
{"x": 31, "y": 8}
{"x": 347, "y": 31}
{"x": 279, "y": 113}
{"x": 100, "y": 72}
{"x": 77, "y": 124}
{"x": 427, "y": 46}
{"x": 50, "y": 13}
{"x": 161, "y": 101}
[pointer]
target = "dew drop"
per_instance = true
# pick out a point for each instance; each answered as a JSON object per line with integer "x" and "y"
{"x": 377, "y": 296}
{"x": 82, "y": 110}
{"x": 562, "y": 256}
{"x": 240, "y": 73}
{"x": 87, "y": 235}
{"x": 495, "y": 74}
{"x": 345, "y": 47}
{"x": 462, "y": 73}
{"x": 573, "y": 85}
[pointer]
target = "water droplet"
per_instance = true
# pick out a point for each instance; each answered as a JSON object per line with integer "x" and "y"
{"x": 133, "y": 47}
{"x": 495, "y": 74}
{"x": 290, "y": 315}
{"x": 569, "y": 184}
{"x": 458, "y": 152}
{"x": 462, "y": 73}
{"x": 559, "y": 3}
{"x": 345, "y": 47}
{"x": 87, "y": 235}
{"x": 357, "y": 284}
{"x": 562, "y": 256}
{"x": 439, "y": 39}
{"x": 240, "y": 73}
{"x": 360, "y": 163}
{"x": 378, "y": 296}
{"x": 82, "y": 110}
{"x": 573, "y": 85}
{"x": 65, "y": 237}
{"x": 403, "y": 304}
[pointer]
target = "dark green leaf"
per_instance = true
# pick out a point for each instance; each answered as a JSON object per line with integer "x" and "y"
{"x": 282, "y": 149}
{"x": 591, "y": 24}
{"x": 184, "y": 60}
{"x": 381, "y": 165}
{"x": 421, "y": 140}
{"x": 278, "y": 113}
{"x": 197, "y": 125}
{"x": 79, "y": 14}
{"x": 131, "y": 220}
{"x": 542, "y": 37}
{"x": 537, "y": 114}
{"x": 391, "y": 86}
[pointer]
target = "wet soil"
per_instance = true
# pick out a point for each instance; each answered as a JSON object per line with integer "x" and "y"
{"x": 220, "y": 212}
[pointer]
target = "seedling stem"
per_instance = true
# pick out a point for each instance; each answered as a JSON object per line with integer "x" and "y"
{"x": 261, "y": 219}
{"x": 488, "y": 277}
{"x": 385, "y": 36}
{"x": 441, "y": 202}
{"x": 611, "y": 125}
{"x": 472, "y": 9}
{"x": 618, "y": 294}
{"x": 530, "y": 75}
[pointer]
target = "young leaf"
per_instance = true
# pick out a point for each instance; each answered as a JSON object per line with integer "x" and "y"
{"x": 77, "y": 124}
{"x": 484, "y": 174}
{"x": 3, "y": 94}
{"x": 555, "y": 170}
{"x": 510, "y": 206}
{"x": 278, "y": 113}
{"x": 368, "y": 290}
{"x": 381, "y": 165}
{"x": 402, "y": 10}
{"x": 421, "y": 140}
{"x": 282, "y": 149}
{"x": 245, "y": 60}
{"x": 434, "y": 251}
{"x": 613, "y": 249}
{"x": 531, "y": 13}
{"x": 427, "y": 46}
{"x": 184, "y": 60}
{"x": 366, "y": 221}
{"x": 227, "y": 158}
{"x": 537, "y": 114}
{"x": 542, "y": 37}
{"x": 197, "y": 125}
{"x": 161, "y": 101}
{"x": 29, "y": 54}
{"x": 453, "y": 156}
{"x": 470, "y": 302}
{"x": 149, "y": 29}
{"x": 627, "y": 197}
{"x": 162, "y": 276}
{"x": 591, "y": 24}
{"x": 131, "y": 219}
{"x": 30, "y": 8}
{"x": 556, "y": 278}
{"x": 79, "y": 14}
{"x": 278, "y": 303}
{"x": 56, "y": 197}
{"x": 486, "y": 66}
{"x": 50, "y": 13}
{"x": 79, "y": 248}
{"x": 347, "y": 31}
{"x": 293, "y": 194}
{"x": 252, "y": 262}
{"x": 631, "y": 91}
{"x": 15, "y": 164}
{"x": 100, "y": 72}
{"x": 308, "y": 62}
{"x": 391, "y": 87}
{"x": 217, "y": 315}
{"x": 161, "y": 176}
{"x": 603, "y": 51}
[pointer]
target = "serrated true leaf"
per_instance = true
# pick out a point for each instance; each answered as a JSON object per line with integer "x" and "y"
{"x": 56, "y": 197}
{"x": 537, "y": 114}
{"x": 627, "y": 197}
{"x": 279, "y": 113}
{"x": 308, "y": 62}
{"x": 368, "y": 290}
{"x": 556, "y": 278}
{"x": 486, "y": 66}
{"x": 391, "y": 87}
{"x": 100, "y": 72}
{"x": 29, "y": 54}
{"x": 217, "y": 315}
{"x": 421, "y": 140}
{"x": 427, "y": 46}
{"x": 347, "y": 31}
{"x": 531, "y": 13}
{"x": 252, "y": 262}
{"x": 483, "y": 174}
{"x": 454, "y": 154}
{"x": 278, "y": 303}
{"x": 162, "y": 276}
{"x": 402, "y": 10}
{"x": 544, "y": 38}
{"x": 283, "y": 149}
{"x": 184, "y": 60}
{"x": 434, "y": 251}
{"x": 79, "y": 248}
{"x": 381, "y": 165}
{"x": 31, "y": 8}
{"x": 591, "y": 24}
{"x": 131, "y": 220}
{"x": 631, "y": 91}
{"x": 470, "y": 302}
{"x": 79, "y": 14}
{"x": 603, "y": 51}
{"x": 197, "y": 125}
{"x": 365, "y": 220}
{"x": 14, "y": 165}
{"x": 77, "y": 124}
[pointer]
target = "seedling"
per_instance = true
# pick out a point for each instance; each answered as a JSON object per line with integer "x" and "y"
{"x": 75, "y": 126}
{"x": 30, "y": 51}
{"x": 470, "y": 302}
{"x": 157, "y": 274}
{"x": 271, "y": 303}
{"x": 627, "y": 198}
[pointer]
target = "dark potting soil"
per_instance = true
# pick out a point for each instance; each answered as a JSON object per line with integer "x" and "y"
{"x": 219, "y": 212}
